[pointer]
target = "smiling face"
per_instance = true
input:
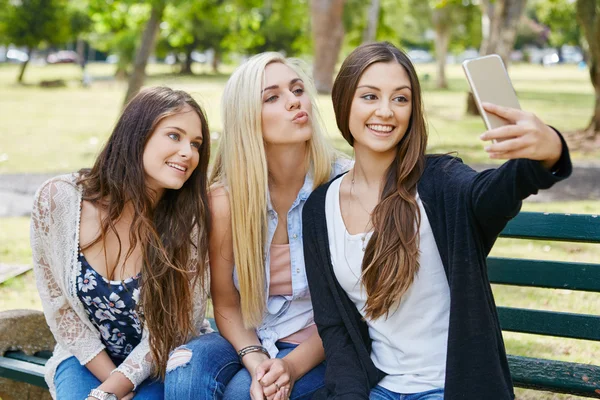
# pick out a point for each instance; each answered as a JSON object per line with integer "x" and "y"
{"x": 381, "y": 108}
{"x": 172, "y": 151}
{"x": 286, "y": 108}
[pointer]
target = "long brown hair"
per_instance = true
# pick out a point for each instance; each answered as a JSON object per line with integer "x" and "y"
{"x": 172, "y": 232}
{"x": 392, "y": 255}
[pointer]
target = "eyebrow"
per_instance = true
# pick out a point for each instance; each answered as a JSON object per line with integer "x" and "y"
{"x": 199, "y": 137}
{"x": 293, "y": 81}
{"x": 376, "y": 88}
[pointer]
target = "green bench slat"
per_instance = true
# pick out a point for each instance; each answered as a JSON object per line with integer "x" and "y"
{"x": 39, "y": 359}
{"x": 556, "y": 376}
{"x": 561, "y": 227}
{"x": 22, "y": 371}
{"x": 550, "y": 323}
{"x": 546, "y": 274}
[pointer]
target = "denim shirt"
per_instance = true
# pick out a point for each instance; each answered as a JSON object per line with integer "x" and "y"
{"x": 286, "y": 315}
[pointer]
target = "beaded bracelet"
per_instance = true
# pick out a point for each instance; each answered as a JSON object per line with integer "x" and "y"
{"x": 252, "y": 349}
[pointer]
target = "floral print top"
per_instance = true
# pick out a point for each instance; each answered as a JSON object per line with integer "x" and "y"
{"x": 111, "y": 307}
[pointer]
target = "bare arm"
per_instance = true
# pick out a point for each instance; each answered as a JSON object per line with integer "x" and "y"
{"x": 225, "y": 296}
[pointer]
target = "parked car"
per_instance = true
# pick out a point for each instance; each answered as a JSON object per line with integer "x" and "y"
{"x": 16, "y": 56}
{"x": 62, "y": 57}
{"x": 419, "y": 56}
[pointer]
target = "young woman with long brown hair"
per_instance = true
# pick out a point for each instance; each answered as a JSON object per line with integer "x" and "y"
{"x": 271, "y": 156}
{"x": 119, "y": 252}
{"x": 396, "y": 248}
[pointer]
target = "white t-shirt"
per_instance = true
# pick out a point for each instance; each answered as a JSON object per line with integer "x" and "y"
{"x": 410, "y": 345}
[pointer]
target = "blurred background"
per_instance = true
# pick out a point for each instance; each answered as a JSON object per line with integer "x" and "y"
{"x": 68, "y": 66}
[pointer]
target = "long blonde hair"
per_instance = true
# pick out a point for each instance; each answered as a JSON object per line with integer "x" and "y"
{"x": 241, "y": 165}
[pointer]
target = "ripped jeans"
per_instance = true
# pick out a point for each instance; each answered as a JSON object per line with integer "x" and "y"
{"x": 208, "y": 367}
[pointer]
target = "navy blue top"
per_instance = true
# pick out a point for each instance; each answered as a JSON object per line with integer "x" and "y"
{"x": 110, "y": 306}
{"x": 466, "y": 210}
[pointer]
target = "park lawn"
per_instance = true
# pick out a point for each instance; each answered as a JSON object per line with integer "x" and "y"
{"x": 63, "y": 129}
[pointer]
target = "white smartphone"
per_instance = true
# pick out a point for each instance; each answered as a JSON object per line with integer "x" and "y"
{"x": 490, "y": 83}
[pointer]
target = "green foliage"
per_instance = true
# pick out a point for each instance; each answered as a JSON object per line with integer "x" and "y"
{"x": 31, "y": 23}
{"x": 560, "y": 16}
{"x": 117, "y": 27}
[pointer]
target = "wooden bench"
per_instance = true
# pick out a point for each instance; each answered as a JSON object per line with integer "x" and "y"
{"x": 539, "y": 374}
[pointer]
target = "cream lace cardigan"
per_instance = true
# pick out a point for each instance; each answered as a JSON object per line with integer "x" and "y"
{"x": 54, "y": 243}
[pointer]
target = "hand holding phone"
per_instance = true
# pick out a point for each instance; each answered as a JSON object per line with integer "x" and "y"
{"x": 490, "y": 83}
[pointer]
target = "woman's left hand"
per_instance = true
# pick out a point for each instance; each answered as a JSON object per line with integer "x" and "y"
{"x": 527, "y": 137}
{"x": 277, "y": 378}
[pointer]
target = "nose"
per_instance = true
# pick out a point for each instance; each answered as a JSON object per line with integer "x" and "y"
{"x": 185, "y": 149}
{"x": 293, "y": 102}
{"x": 384, "y": 111}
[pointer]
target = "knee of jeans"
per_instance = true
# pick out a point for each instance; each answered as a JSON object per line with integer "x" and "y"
{"x": 180, "y": 357}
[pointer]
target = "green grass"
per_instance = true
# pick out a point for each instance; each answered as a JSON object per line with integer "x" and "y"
{"x": 62, "y": 129}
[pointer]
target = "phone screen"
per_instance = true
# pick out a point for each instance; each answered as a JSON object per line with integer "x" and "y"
{"x": 490, "y": 83}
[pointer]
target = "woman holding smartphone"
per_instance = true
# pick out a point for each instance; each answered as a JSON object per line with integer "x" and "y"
{"x": 119, "y": 252}
{"x": 271, "y": 156}
{"x": 396, "y": 248}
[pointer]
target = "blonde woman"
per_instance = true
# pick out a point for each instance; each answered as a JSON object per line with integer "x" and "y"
{"x": 271, "y": 156}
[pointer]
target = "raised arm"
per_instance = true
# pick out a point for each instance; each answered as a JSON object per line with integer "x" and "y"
{"x": 538, "y": 158}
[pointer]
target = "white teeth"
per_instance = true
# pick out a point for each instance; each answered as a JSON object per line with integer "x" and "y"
{"x": 179, "y": 167}
{"x": 381, "y": 128}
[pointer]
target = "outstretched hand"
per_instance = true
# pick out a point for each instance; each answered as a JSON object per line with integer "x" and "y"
{"x": 526, "y": 137}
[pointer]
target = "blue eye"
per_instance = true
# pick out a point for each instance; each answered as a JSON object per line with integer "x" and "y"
{"x": 197, "y": 145}
{"x": 271, "y": 99}
{"x": 174, "y": 136}
{"x": 298, "y": 92}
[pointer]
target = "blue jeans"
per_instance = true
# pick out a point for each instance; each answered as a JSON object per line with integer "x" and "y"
{"x": 74, "y": 381}
{"x": 214, "y": 371}
{"x": 381, "y": 393}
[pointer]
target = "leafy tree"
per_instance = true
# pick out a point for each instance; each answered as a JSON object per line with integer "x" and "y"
{"x": 561, "y": 17}
{"x": 145, "y": 47}
{"x": 32, "y": 23}
{"x": 116, "y": 27}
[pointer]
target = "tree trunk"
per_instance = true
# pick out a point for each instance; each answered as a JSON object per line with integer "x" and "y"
{"x": 24, "y": 65}
{"x": 216, "y": 60}
{"x": 186, "y": 65}
{"x": 499, "y": 31}
{"x": 441, "y": 22}
{"x": 372, "y": 21}
{"x": 328, "y": 33}
{"x": 589, "y": 19}
{"x": 136, "y": 80}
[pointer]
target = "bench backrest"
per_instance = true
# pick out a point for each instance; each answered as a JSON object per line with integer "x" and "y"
{"x": 556, "y": 376}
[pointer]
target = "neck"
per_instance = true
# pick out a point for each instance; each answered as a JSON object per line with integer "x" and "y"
{"x": 370, "y": 167}
{"x": 287, "y": 165}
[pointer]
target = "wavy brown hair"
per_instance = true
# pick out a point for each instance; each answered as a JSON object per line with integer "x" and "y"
{"x": 392, "y": 255}
{"x": 172, "y": 231}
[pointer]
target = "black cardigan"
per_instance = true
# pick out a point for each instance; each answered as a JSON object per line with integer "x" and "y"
{"x": 467, "y": 211}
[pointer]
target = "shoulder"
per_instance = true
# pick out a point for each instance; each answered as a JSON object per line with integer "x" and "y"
{"x": 218, "y": 200}
{"x": 317, "y": 198}
{"x": 446, "y": 167}
{"x": 341, "y": 164}
{"x": 57, "y": 190}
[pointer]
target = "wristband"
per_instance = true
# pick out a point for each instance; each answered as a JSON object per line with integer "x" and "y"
{"x": 252, "y": 349}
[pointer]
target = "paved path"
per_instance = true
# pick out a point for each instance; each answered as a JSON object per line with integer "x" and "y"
{"x": 17, "y": 190}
